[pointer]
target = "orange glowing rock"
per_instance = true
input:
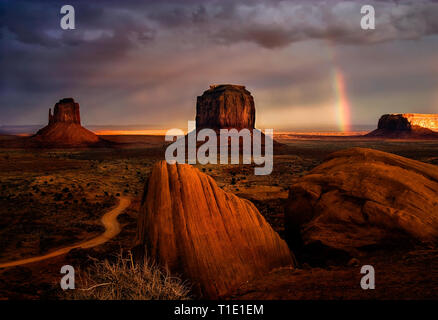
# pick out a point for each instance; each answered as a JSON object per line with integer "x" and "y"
{"x": 209, "y": 236}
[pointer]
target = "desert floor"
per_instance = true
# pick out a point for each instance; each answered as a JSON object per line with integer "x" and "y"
{"x": 53, "y": 198}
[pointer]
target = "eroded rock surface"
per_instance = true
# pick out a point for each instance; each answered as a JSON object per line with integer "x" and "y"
{"x": 361, "y": 198}
{"x": 225, "y": 106}
{"x": 64, "y": 128}
{"x": 66, "y": 110}
{"x": 209, "y": 236}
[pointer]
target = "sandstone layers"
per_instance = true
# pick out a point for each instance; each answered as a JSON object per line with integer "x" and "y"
{"x": 407, "y": 125}
{"x": 362, "y": 197}
{"x": 64, "y": 128}
{"x": 228, "y": 106}
{"x": 207, "y": 235}
{"x": 225, "y": 106}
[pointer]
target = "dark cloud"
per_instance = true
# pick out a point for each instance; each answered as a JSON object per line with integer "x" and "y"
{"x": 144, "y": 54}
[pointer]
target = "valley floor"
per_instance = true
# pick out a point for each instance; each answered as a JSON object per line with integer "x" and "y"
{"x": 52, "y": 198}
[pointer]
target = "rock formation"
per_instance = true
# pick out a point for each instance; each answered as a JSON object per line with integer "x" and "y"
{"x": 209, "y": 236}
{"x": 64, "y": 128}
{"x": 361, "y": 198}
{"x": 406, "y": 125}
{"x": 66, "y": 110}
{"x": 225, "y": 106}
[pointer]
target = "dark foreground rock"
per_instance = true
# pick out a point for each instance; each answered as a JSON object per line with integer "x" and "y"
{"x": 209, "y": 236}
{"x": 363, "y": 198}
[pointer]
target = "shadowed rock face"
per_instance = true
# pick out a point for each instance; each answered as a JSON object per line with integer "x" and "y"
{"x": 211, "y": 237}
{"x": 66, "y": 110}
{"x": 225, "y": 106}
{"x": 64, "y": 128}
{"x": 407, "y": 125}
{"x": 362, "y": 197}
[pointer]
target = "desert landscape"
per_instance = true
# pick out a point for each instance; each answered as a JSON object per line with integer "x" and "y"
{"x": 332, "y": 204}
{"x": 218, "y": 159}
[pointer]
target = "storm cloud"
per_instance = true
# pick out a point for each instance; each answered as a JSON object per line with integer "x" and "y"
{"x": 140, "y": 61}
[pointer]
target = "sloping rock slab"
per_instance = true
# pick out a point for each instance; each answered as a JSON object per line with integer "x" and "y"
{"x": 209, "y": 236}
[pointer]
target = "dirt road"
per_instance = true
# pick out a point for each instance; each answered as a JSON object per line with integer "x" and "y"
{"x": 112, "y": 228}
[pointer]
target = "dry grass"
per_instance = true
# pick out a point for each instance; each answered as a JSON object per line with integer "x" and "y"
{"x": 126, "y": 280}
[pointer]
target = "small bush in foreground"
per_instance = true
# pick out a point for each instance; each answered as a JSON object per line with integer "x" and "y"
{"x": 126, "y": 280}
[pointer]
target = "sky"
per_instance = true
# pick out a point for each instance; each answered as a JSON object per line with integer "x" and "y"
{"x": 308, "y": 64}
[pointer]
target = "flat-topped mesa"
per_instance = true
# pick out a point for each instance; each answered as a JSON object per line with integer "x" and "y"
{"x": 225, "y": 106}
{"x": 66, "y": 110}
{"x": 406, "y": 121}
{"x": 407, "y": 125}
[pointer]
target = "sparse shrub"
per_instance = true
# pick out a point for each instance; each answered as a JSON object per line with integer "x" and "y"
{"x": 65, "y": 190}
{"x": 125, "y": 279}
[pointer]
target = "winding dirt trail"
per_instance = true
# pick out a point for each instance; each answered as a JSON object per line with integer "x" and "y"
{"x": 112, "y": 228}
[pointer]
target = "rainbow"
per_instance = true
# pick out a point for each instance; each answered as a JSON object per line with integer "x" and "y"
{"x": 342, "y": 104}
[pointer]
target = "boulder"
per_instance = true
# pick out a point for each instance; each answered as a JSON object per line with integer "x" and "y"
{"x": 225, "y": 106}
{"x": 209, "y": 236}
{"x": 407, "y": 125}
{"x": 64, "y": 128}
{"x": 363, "y": 198}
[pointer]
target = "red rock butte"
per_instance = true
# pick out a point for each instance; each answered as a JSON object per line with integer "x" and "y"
{"x": 64, "y": 128}
{"x": 66, "y": 110}
{"x": 225, "y": 106}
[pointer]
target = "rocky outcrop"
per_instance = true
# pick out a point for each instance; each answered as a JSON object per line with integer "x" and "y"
{"x": 361, "y": 198}
{"x": 225, "y": 106}
{"x": 406, "y": 125}
{"x": 66, "y": 111}
{"x": 209, "y": 236}
{"x": 64, "y": 128}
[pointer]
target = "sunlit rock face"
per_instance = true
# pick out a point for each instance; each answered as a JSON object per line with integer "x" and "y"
{"x": 407, "y": 121}
{"x": 66, "y": 110}
{"x": 407, "y": 125}
{"x": 363, "y": 198}
{"x": 225, "y": 106}
{"x": 211, "y": 237}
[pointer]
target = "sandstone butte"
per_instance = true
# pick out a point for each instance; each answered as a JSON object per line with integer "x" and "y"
{"x": 363, "y": 197}
{"x": 209, "y": 236}
{"x": 407, "y": 125}
{"x": 64, "y": 128}
{"x": 225, "y": 106}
